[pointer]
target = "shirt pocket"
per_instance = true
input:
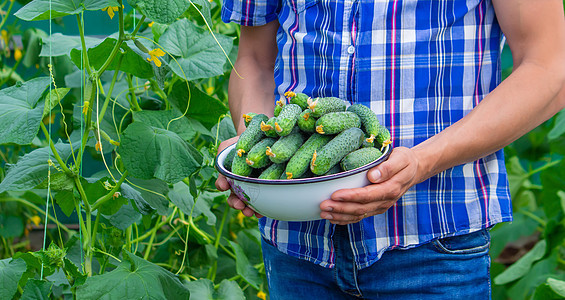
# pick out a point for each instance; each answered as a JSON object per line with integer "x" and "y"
{"x": 299, "y": 6}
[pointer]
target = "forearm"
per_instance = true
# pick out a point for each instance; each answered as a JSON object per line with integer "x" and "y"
{"x": 528, "y": 97}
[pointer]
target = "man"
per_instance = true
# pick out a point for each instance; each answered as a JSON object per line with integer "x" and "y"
{"x": 431, "y": 71}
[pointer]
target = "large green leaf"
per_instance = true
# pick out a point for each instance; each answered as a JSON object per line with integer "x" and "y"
{"x": 203, "y": 289}
{"x": 244, "y": 268}
{"x": 161, "y": 11}
{"x": 166, "y": 119}
{"x": 558, "y": 286}
{"x": 131, "y": 63}
{"x": 21, "y": 110}
{"x": 11, "y": 226}
{"x": 134, "y": 278}
{"x": 523, "y": 265}
{"x": 202, "y": 107}
{"x": 53, "y": 98}
{"x": 151, "y": 152}
{"x": 147, "y": 195}
{"x": 58, "y": 44}
{"x": 49, "y": 9}
{"x": 11, "y": 270}
{"x": 33, "y": 168}
{"x": 199, "y": 54}
{"x": 559, "y": 126}
{"x": 100, "y": 188}
{"x": 37, "y": 290}
{"x": 181, "y": 197}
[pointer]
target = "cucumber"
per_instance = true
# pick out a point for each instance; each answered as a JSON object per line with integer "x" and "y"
{"x": 336, "y": 122}
{"x": 229, "y": 159}
{"x": 322, "y": 106}
{"x": 334, "y": 170}
{"x": 287, "y": 119}
{"x": 248, "y": 117}
{"x": 285, "y": 147}
{"x": 274, "y": 171}
{"x": 251, "y": 135}
{"x": 257, "y": 157}
{"x": 368, "y": 118}
{"x": 278, "y": 107}
{"x": 383, "y": 137}
{"x": 300, "y": 161}
{"x": 299, "y": 99}
{"x": 269, "y": 127}
{"x": 332, "y": 153}
{"x": 239, "y": 166}
{"x": 306, "y": 122}
{"x": 359, "y": 158}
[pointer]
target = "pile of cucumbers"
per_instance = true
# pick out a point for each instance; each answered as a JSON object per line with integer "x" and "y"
{"x": 307, "y": 138}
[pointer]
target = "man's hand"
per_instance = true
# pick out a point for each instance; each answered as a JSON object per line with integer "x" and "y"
{"x": 390, "y": 180}
{"x": 223, "y": 185}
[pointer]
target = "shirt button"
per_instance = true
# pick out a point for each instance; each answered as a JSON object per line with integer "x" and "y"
{"x": 351, "y": 50}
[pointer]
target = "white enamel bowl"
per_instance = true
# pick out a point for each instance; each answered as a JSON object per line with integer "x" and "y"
{"x": 295, "y": 199}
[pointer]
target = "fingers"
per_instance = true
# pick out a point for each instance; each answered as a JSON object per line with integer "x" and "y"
{"x": 222, "y": 183}
{"x": 399, "y": 159}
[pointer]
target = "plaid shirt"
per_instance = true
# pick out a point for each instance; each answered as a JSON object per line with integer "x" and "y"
{"x": 421, "y": 66}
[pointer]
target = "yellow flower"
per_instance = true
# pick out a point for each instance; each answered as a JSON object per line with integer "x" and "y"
{"x": 4, "y": 35}
{"x": 240, "y": 217}
{"x": 98, "y": 146}
{"x": 155, "y": 53}
{"x": 17, "y": 54}
{"x": 111, "y": 10}
{"x": 85, "y": 107}
{"x": 261, "y": 295}
{"x": 210, "y": 90}
{"x": 151, "y": 24}
{"x": 35, "y": 220}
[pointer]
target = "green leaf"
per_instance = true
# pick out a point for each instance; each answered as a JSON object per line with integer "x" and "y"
{"x": 59, "y": 44}
{"x": 203, "y": 108}
{"x": 57, "y": 182}
{"x": 32, "y": 168}
{"x": 558, "y": 286}
{"x": 201, "y": 289}
{"x": 134, "y": 278}
{"x": 53, "y": 98}
{"x": 244, "y": 268}
{"x": 100, "y": 188}
{"x": 50, "y": 9}
{"x": 516, "y": 175}
{"x": 183, "y": 199}
{"x": 538, "y": 274}
{"x": 229, "y": 290}
{"x": 561, "y": 195}
{"x": 66, "y": 201}
{"x": 225, "y": 131}
{"x": 11, "y": 270}
{"x": 172, "y": 120}
{"x": 147, "y": 195}
{"x": 198, "y": 54}
{"x": 126, "y": 216}
{"x": 132, "y": 62}
{"x": 11, "y": 226}
{"x": 37, "y": 290}
{"x": 32, "y": 41}
{"x": 21, "y": 111}
{"x": 523, "y": 265}
{"x": 161, "y": 11}
{"x": 150, "y": 152}
{"x": 559, "y": 126}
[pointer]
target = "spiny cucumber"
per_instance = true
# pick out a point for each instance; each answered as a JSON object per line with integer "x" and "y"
{"x": 257, "y": 157}
{"x": 285, "y": 147}
{"x": 297, "y": 98}
{"x": 274, "y": 171}
{"x": 383, "y": 137}
{"x": 287, "y": 119}
{"x": 322, "y": 106}
{"x": 229, "y": 159}
{"x": 334, "y": 170}
{"x": 278, "y": 107}
{"x": 248, "y": 117}
{"x": 359, "y": 158}
{"x": 306, "y": 122}
{"x": 300, "y": 161}
{"x": 336, "y": 122}
{"x": 345, "y": 142}
{"x": 240, "y": 167}
{"x": 269, "y": 127}
{"x": 368, "y": 119}
{"x": 251, "y": 135}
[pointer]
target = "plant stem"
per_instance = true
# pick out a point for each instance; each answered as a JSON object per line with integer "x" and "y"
{"x": 110, "y": 194}
{"x": 111, "y": 89}
{"x": 121, "y": 38}
{"x": 55, "y": 153}
{"x": 134, "y": 32}
{"x": 546, "y": 166}
{"x": 133, "y": 101}
{"x": 87, "y": 122}
{"x": 7, "y": 14}
{"x": 212, "y": 271}
{"x": 83, "y": 44}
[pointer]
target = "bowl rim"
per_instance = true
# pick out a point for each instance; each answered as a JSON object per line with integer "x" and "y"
{"x": 228, "y": 174}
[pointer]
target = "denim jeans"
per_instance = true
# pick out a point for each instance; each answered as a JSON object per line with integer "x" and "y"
{"x": 449, "y": 268}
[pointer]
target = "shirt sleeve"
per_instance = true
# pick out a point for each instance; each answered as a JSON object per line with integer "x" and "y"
{"x": 250, "y": 12}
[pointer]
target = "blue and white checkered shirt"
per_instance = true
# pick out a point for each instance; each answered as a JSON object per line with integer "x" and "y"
{"x": 421, "y": 66}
